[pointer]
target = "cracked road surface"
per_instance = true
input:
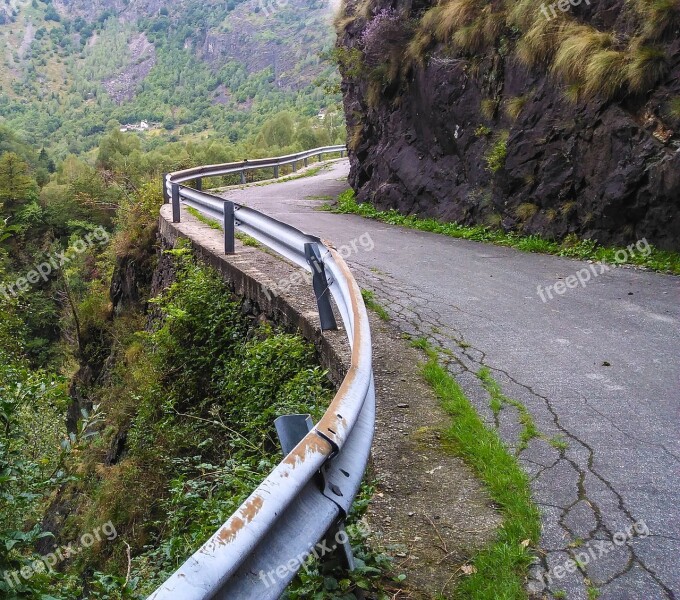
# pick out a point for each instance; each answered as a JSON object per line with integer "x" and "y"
{"x": 598, "y": 368}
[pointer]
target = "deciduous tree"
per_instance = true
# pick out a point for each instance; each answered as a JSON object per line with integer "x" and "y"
{"x": 16, "y": 183}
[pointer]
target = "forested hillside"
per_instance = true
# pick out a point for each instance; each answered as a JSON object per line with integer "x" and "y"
{"x": 189, "y": 69}
{"x": 104, "y": 489}
{"x": 137, "y": 393}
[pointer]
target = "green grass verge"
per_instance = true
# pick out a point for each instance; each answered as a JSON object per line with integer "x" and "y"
{"x": 212, "y": 223}
{"x": 246, "y": 240}
{"x": 498, "y": 399}
{"x": 501, "y": 568}
{"x": 571, "y": 247}
{"x": 372, "y": 304}
{"x": 308, "y": 172}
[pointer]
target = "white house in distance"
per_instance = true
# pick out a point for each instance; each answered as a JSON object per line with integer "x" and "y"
{"x": 142, "y": 126}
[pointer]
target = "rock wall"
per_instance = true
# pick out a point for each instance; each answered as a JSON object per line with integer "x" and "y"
{"x": 606, "y": 170}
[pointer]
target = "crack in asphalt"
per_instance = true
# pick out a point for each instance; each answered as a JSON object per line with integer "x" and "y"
{"x": 628, "y": 434}
{"x": 430, "y": 326}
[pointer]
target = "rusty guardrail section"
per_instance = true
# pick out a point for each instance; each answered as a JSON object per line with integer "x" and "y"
{"x": 258, "y": 551}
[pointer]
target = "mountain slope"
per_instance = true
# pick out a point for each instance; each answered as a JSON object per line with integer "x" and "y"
{"x": 189, "y": 67}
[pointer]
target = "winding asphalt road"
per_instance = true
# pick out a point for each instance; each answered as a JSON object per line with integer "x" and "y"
{"x": 598, "y": 368}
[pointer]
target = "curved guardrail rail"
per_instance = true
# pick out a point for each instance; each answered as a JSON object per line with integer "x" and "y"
{"x": 251, "y": 165}
{"x": 258, "y": 551}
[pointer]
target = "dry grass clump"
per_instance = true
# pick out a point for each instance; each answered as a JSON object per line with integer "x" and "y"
{"x": 591, "y": 62}
{"x": 577, "y": 44}
{"x": 659, "y": 16}
{"x": 526, "y": 211}
{"x": 606, "y": 74}
{"x": 355, "y": 137}
{"x": 514, "y": 106}
{"x": 523, "y": 13}
{"x": 469, "y": 25}
{"x": 444, "y": 20}
{"x": 539, "y": 42}
{"x": 488, "y": 108}
{"x": 673, "y": 108}
{"x": 647, "y": 66}
{"x": 416, "y": 49}
{"x": 481, "y": 33}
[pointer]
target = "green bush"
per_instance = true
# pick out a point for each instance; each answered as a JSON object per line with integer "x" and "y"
{"x": 495, "y": 158}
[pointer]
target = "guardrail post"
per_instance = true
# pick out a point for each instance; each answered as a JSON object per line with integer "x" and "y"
{"x": 320, "y": 156}
{"x": 294, "y": 166}
{"x": 243, "y": 177}
{"x": 166, "y": 195}
{"x": 337, "y": 538}
{"x": 306, "y": 162}
{"x": 276, "y": 172}
{"x": 199, "y": 184}
{"x": 175, "y": 203}
{"x": 321, "y": 291}
{"x": 229, "y": 228}
{"x": 291, "y": 430}
{"x": 342, "y": 154}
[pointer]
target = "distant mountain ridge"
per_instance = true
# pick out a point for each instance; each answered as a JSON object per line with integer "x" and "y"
{"x": 70, "y": 66}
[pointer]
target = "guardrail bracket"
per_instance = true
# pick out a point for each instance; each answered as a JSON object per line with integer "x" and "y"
{"x": 321, "y": 289}
{"x": 291, "y": 430}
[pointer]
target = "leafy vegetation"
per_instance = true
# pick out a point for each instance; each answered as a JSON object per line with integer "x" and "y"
{"x": 570, "y": 247}
{"x": 200, "y": 437}
{"x": 495, "y": 159}
{"x": 174, "y": 404}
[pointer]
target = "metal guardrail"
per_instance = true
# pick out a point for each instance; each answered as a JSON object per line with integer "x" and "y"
{"x": 258, "y": 551}
{"x": 251, "y": 165}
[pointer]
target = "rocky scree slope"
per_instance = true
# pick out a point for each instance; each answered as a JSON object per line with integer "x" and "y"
{"x": 510, "y": 115}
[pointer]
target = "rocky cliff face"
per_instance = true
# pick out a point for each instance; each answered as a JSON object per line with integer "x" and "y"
{"x": 468, "y": 121}
{"x": 262, "y": 34}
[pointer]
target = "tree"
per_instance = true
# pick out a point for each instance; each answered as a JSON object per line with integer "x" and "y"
{"x": 306, "y": 138}
{"x": 114, "y": 147}
{"x": 16, "y": 183}
{"x": 278, "y": 131}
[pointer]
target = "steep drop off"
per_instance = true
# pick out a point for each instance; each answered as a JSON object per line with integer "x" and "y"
{"x": 495, "y": 113}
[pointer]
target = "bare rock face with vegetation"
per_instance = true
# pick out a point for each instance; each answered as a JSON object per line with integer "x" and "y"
{"x": 516, "y": 116}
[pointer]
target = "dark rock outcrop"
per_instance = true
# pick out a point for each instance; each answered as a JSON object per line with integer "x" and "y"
{"x": 602, "y": 170}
